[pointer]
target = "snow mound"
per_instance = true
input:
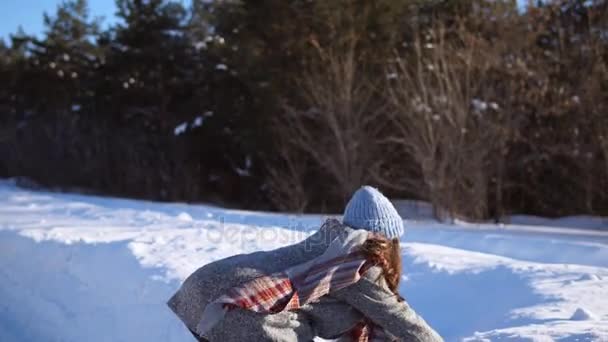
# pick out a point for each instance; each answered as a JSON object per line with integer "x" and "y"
{"x": 582, "y": 315}
{"x": 184, "y": 217}
{"x": 589, "y": 277}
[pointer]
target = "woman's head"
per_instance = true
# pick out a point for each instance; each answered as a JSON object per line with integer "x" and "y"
{"x": 380, "y": 251}
{"x": 370, "y": 210}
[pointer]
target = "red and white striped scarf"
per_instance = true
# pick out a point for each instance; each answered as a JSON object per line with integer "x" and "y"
{"x": 341, "y": 265}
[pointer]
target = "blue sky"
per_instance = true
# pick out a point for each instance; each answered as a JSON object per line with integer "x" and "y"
{"x": 28, "y": 14}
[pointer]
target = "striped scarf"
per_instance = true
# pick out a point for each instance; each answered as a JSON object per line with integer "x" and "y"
{"x": 339, "y": 266}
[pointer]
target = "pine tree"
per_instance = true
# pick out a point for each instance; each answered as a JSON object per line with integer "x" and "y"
{"x": 149, "y": 64}
{"x": 68, "y": 57}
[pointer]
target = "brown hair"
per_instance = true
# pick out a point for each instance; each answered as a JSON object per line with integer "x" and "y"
{"x": 380, "y": 251}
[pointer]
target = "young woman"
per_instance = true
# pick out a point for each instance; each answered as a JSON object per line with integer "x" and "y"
{"x": 340, "y": 283}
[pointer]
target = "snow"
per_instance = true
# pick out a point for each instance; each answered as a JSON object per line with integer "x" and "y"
{"x": 84, "y": 268}
{"x": 198, "y": 121}
{"x": 582, "y": 315}
{"x": 180, "y": 129}
{"x": 184, "y": 217}
{"x": 200, "y": 45}
{"x": 479, "y": 105}
{"x": 244, "y": 172}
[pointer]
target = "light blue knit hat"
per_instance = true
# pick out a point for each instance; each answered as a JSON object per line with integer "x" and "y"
{"x": 369, "y": 209}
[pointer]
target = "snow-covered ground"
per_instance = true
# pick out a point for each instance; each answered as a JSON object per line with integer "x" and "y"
{"x": 83, "y": 268}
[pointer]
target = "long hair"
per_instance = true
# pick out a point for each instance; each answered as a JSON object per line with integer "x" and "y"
{"x": 385, "y": 253}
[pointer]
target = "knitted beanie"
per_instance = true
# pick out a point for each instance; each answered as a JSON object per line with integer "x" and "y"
{"x": 370, "y": 210}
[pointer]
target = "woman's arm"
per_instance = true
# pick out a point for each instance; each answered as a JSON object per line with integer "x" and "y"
{"x": 371, "y": 296}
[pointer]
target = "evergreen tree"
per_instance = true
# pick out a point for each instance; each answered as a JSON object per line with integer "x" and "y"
{"x": 68, "y": 57}
{"x": 149, "y": 62}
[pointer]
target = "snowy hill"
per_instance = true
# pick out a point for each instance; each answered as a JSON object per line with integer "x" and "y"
{"x": 83, "y": 268}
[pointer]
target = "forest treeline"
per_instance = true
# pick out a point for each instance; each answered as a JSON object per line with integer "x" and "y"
{"x": 483, "y": 108}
